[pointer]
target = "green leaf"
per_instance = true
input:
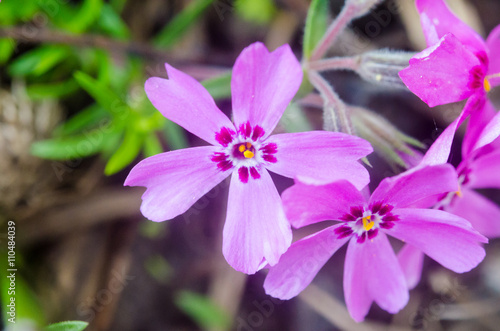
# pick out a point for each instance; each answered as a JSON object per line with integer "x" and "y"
{"x": 316, "y": 25}
{"x": 112, "y": 24}
{"x": 7, "y": 48}
{"x": 73, "y": 147}
{"x": 67, "y": 326}
{"x": 126, "y": 153}
{"x": 205, "y": 313}
{"x": 52, "y": 90}
{"x": 180, "y": 23}
{"x": 39, "y": 61}
{"x": 11, "y": 11}
{"x": 152, "y": 145}
{"x": 84, "y": 119}
{"x": 104, "y": 96}
{"x": 85, "y": 17}
{"x": 175, "y": 135}
{"x": 256, "y": 11}
{"x": 219, "y": 87}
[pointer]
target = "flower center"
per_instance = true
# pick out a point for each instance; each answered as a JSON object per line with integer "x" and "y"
{"x": 368, "y": 225}
{"x": 489, "y": 80}
{"x": 365, "y": 222}
{"x": 487, "y": 85}
{"x": 244, "y": 151}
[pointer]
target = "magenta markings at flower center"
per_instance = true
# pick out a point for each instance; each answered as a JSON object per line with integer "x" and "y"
{"x": 365, "y": 222}
{"x": 244, "y": 150}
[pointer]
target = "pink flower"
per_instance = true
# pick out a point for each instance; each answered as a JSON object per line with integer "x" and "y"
{"x": 372, "y": 271}
{"x": 458, "y": 64}
{"x": 480, "y": 168}
{"x": 256, "y": 230}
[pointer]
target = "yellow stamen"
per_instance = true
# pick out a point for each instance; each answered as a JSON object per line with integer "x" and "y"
{"x": 487, "y": 85}
{"x": 368, "y": 225}
{"x": 249, "y": 145}
{"x": 241, "y": 148}
{"x": 248, "y": 154}
{"x": 459, "y": 193}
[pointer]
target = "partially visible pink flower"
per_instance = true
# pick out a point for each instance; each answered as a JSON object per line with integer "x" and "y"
{"x": 372, "y": 271}
{"x": 458, "y": 64}
{"x": 479, "y": 168}
{"x": 256, "y": 230}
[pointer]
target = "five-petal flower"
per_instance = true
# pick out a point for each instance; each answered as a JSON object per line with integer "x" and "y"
{"x": 372, "y": 271}
{"x": 256, "y": 230}
{"x": 458, "y": 64}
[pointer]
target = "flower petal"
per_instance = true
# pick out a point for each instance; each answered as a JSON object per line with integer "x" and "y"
{"x": 372, "y": 273}
{"x": 493, "y": 43}
{"x": 308, "y": 204}
{"x": 411, "y": 261}
{"x": 484, "y": 171}
{"x": 263, "y": 84}
{"x": 437, "y": 20}
{"x": 256, "y": 227}
{"x": 301, "y": 262}
{"x": 321, "y": 157}
{"x": 175, "y": 181}
{"x": 476, "y": 126}
{"x": 416, "y": 184}
{"x": 446, "y": 238}
{"x": 490, "y": 132}
{"x": 186, "y": 102}
{"x": 433, "y": 75}
{"x": 483, "y": 214}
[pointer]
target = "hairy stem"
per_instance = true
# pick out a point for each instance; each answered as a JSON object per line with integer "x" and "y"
{"x": 336, "y": 63}
{"x": 335, "y": 112}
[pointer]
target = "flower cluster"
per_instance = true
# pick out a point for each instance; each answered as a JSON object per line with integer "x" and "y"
{"x": 432, "y": 208}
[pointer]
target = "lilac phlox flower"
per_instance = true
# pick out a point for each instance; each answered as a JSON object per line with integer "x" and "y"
{"x": 256, "y": 230}
{"x": 372, "y": 271}
{"x": 479, "y": 168}
{"x": 458, "y": 64}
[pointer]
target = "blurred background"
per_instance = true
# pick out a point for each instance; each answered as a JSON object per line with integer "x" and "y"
{"x": 74, "y": 119}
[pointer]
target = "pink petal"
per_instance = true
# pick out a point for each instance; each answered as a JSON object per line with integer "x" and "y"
{"x": 175, "y": 181}
{"x": 416, "y": 184}
{"x": 411, "y": 261}
{"x": 308, "y": 204}
{"x": 263, "y": 84}
{"x": 186, "y": 102}
{"x": 484, "y": 171}
{"x": 302, "y": 261}
{"x": 490, "y": 132}
{"x": 477, "y": 122}
{"x": 256, "y": 228}
{"x": 321, "y": 157}
{"x": 439, "y": 151}
{"x": 372, "y": 273}
{"x": 493, "y": 43}
{"x": 443, "y": 73}
{"x": 483, "y": 214}
{"x": 446, "y": 238}
{"x": 437, "y": 20}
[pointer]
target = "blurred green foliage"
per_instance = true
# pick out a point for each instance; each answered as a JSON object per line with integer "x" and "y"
{"x": 121, "y": 123}
{"x": 256, "y": 11}
{"x": 67, "y": 326}
{"x": 203, "y": 311}
{"x": 317, "y": 21}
